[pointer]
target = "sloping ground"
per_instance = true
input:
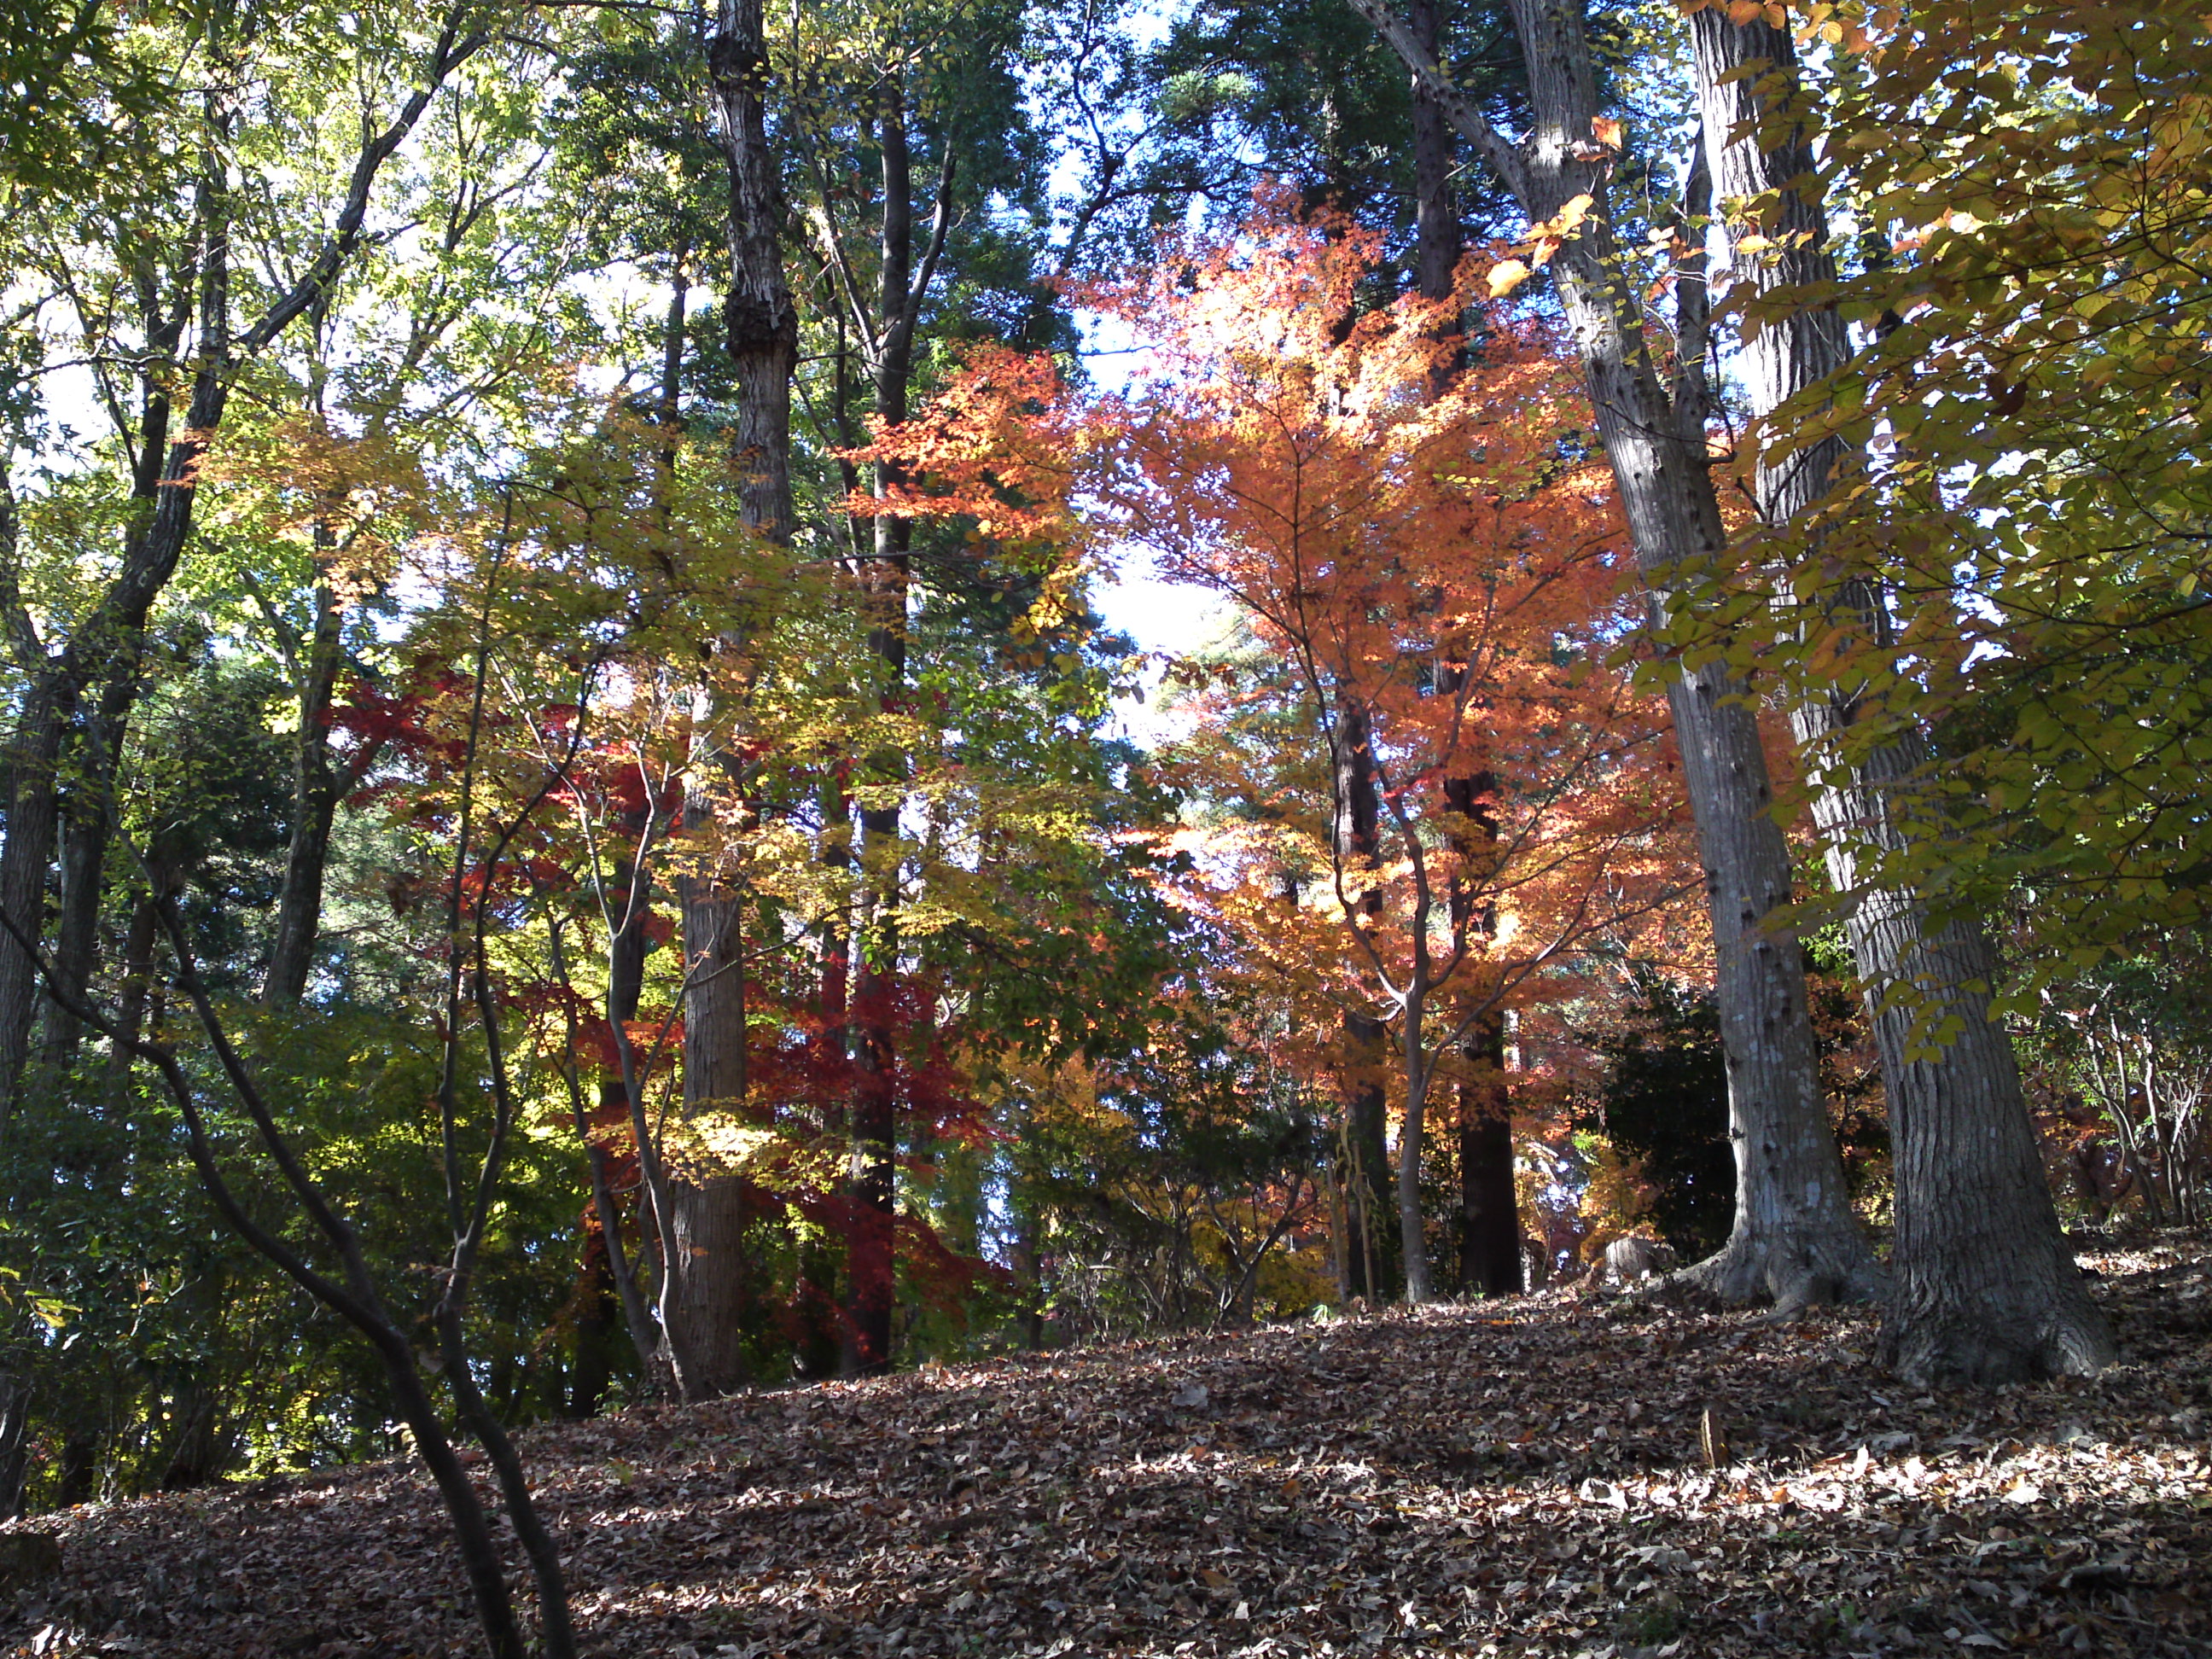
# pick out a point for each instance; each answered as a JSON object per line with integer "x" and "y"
{"x": 1524, "y": 1478}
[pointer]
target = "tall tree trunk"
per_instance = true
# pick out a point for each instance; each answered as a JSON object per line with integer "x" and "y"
{"x": 1796, "y": 1238}
{"x": 886, "y": 324}
{"x": 1368, "y": 1256}
{"x": 1985, "y": 1288}
{"x": 871, "y": 1276}
{"x": 712, "y": 1216}
{"x": 1489, "y": 1218}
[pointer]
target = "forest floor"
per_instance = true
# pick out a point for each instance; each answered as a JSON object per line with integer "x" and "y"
{"x": 1515, "y": 1478}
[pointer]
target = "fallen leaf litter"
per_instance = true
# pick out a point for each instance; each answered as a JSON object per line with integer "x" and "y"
{"x": 1525, "y": 1478}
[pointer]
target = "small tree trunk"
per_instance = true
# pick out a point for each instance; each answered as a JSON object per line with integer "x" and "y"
{"x": 626, "y": 953}
{"x": 317, "y": 784}
{"x": 817, "y": 1294}
{"x": 1367, "y": 1253}
{"x": 871, "y": 1285}
{"x": 1027, "y": 1262}
{"x": 1413, "y": 1129}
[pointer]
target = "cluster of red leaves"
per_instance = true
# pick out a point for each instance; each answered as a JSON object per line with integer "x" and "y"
{"x": 1522, "y": 1477}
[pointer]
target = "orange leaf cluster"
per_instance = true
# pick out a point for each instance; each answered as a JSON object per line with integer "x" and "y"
{"x": 1411, "y": 516}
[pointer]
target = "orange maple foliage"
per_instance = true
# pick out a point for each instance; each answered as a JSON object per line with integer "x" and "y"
{"x": 1434, "y": 571}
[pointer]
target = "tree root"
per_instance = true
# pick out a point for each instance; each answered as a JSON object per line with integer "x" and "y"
{"x": 1745, "y": 1272}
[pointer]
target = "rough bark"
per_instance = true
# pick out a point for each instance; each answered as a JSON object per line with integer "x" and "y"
{"x": 712, "y": 1213}
{"x": 1490, "y": 1211}
{"x": 706, "y": 1280}
{"x": 1985, "y": 1288}
{"x": 762, "y": 325}
{"x": 1489, "y": 1198}
{"x": 1795, "y": 1236}
{"x": 1489, "y": 1202}
{"x": 1437, "y": 242}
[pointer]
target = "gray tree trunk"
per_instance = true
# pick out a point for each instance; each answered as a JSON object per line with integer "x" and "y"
{"x": 1795, "y": 1236}
{"x": 708, "y": 1281}
{"x": 1985, "y": 1289}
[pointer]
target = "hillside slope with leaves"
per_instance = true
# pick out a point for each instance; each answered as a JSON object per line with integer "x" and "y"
{"x": 1524, "y": 1477}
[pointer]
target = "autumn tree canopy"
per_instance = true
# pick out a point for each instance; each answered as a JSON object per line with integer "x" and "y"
{"x": 692, "y": 703}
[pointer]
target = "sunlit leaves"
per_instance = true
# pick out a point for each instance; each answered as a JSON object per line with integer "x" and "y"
{"x": 2031, "y": 182}
{"x": 1421, "y": 555}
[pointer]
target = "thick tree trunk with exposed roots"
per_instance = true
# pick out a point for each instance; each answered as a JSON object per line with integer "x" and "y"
{"x": 1985, "y": 1289}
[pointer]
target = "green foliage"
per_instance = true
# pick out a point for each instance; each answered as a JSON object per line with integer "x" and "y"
{"x": 2033, "y": 316}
